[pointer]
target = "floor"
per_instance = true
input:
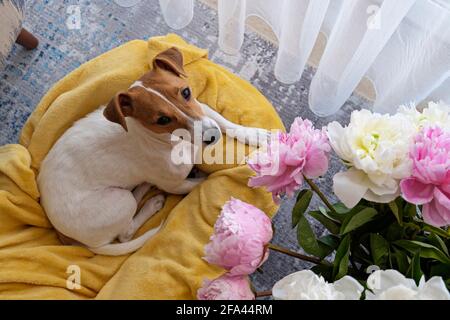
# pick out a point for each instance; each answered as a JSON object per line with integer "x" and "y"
{"x": 104, "y": 25}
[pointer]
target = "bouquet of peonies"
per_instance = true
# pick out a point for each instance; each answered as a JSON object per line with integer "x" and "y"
{"x": 388, "y": 237}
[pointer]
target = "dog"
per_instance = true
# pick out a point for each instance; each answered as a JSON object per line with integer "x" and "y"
{"x": 94, "y": 177}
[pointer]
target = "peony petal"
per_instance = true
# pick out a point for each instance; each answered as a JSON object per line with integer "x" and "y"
{"x": 386, "y": 187}
{"x": 398, "y": 293}
{"x": 431, "y": 214}
{"x": 260, "y": 181}
{"x": 437, "y": 212}
{"x": 386, "y": 198}
{"x": 349, "y": 287}
{"x": 445, "y": 188}
{"x": 382, "y": 280}
{"x": 443, "y": 200}
{"x": 317, "y": 165}
{"x": 335, "y": 135}
{"x": 226, "y": 287}
{"x": 350, "y": 186}
{"x": 416, "y": 192}
{"x": 434, "y": 289}
{"x": 293, "y": 282}
{"x": 279, "y": 182}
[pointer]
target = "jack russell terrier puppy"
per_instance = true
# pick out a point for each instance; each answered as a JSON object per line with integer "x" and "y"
{"x": 95, "y": 175}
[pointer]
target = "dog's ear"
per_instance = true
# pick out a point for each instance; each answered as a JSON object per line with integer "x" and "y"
{"x": 170, "y": 60}
{"x": 118, "y": 108}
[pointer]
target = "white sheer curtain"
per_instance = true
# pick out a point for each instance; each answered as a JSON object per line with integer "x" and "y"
{"x": 402, "y": 46}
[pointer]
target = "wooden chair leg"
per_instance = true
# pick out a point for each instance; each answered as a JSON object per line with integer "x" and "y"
{"x": 27, "y": 40}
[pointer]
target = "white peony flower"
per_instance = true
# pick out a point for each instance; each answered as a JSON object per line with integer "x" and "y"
{"x": 436, "y": 114}
{"x": 306, "y": 285}
{"x": 392, "y": 285}
{"x": 376, "y": 149}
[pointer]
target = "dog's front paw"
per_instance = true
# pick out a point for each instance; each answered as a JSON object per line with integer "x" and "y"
{"x": 127, "y": 236}
{"x": 158, "y": 202}
{"x": 255, "y": 137}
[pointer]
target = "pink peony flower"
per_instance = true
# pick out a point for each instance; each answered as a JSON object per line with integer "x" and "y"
{"x": 429, "y": 184}
{"x": 226, "y": 287}
{"x": 280, "y": 168}
{"x": 241, "y": 234}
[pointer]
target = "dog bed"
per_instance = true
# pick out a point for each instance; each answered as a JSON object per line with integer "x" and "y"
{"x": 34, "y": 264}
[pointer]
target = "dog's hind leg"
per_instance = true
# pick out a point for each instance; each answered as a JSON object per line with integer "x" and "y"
{"x": 99, "y": 217}
{"x": 151, "y": 207}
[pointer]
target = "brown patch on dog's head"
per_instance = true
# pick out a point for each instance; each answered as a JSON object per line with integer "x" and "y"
{"x": 118, "y": 108}
{"x": 170, "y": 60}
{"x": 160, "y": 116}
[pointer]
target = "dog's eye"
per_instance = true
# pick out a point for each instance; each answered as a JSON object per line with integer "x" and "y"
{"x": 186, "y": 93}
{"x": 163, "y": 120}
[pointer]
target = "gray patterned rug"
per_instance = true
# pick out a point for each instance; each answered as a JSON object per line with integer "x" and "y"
{"x": 104, "y": 25}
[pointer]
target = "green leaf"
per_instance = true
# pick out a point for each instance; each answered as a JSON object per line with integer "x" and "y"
{"x": 323, "y": 270}
{"x": 410, "y": 210}
{"x": 340, "y": 264}
{"x": 401, "y": 260}
{"x": 414, "y": 270}
{"x": 360, "y": 255}
{"x": 394, "y": 232}
{"x": 379, "y": 248}
{"x": 307, "y": 239}
{"x": 341, "y": 208}
{"x": 411, "y": 230}
{"x": 323, "y": 210}
{"x": 325, "y": 221}
{"x": 325, "y": 250}
{"x": 339, "y": 215}
{"x": 439, "y": 243}
{"x": 358, "y": 219}
{"x": 440, "y": 270}
{"x": 396, "y": 211}
{"x": 330, "y": 215}
{"x": 328, "y": 244}
{"x": 303, "y": 200}
{"x": 438, "y": 231}
{"x": 426, "y": 250}
{"x": 330, "y": 240}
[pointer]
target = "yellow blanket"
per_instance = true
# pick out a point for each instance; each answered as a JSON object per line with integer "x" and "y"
{"x": 33, "y": 263}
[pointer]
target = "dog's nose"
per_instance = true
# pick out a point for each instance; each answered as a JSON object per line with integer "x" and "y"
{"x": 211, "y": 136}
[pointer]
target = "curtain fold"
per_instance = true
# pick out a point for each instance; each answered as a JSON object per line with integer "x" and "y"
{"x": 177, "y": 13}
{"x": 402, "y": 46}
{"x": 354, "y": 44}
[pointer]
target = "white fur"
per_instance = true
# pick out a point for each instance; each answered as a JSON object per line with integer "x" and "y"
{"x": 87, "y": 178}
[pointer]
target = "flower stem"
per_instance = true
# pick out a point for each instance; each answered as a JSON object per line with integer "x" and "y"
{"x": 261, "y": 294}
{"x": 274, "y": 247}
{"x": 316, "y": 189}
